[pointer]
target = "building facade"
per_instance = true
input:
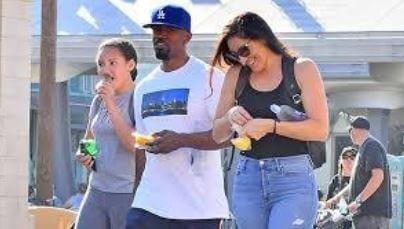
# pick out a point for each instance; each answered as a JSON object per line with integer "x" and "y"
{"x": 15, "y": 56}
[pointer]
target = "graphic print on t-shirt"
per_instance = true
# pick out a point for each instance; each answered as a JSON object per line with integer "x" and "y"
{"x": 167, "y": 102}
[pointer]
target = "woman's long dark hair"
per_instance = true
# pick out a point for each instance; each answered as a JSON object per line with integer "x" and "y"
{"x": 248, "y": 26}
{"x": 126, "y": 48}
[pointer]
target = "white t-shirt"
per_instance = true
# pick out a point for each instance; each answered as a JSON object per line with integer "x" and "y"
{"x": 186, "y": 183}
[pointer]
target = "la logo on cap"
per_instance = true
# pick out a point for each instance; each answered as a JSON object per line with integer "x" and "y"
{"x": 161, "y": 14}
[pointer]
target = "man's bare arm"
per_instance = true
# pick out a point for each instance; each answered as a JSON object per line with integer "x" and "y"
{"x": 140, "y": 158}
{"x": 168, "y": 141}
{"x": 373, "y": 184}
{"x": 203, "y": 141}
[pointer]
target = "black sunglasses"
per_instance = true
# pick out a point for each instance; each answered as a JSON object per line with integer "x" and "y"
{"x": 345, "y": 157}
{"x": 243, "y": 51}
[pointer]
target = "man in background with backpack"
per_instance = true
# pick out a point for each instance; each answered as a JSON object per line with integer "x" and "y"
{"x": 370, "y": 187}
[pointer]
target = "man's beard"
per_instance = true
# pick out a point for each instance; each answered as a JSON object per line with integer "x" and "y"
{"x": 162, "y": 54}
{"x": 161, "y": 49}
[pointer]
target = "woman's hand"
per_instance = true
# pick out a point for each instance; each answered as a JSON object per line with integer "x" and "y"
{"x": 85, "y": 160}
{"x": 258, "y": 128}
{"x": 106, "y": 91}
{"x": 237, "y": 115}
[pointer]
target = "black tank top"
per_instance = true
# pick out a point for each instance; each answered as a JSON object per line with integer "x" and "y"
{"x": 258, "y": 104}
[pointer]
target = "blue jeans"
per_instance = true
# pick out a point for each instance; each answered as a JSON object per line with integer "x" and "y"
{"x": 275, "y": 193}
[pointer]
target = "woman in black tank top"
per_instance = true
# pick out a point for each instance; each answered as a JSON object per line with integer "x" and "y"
{"x": 274, "y": 185}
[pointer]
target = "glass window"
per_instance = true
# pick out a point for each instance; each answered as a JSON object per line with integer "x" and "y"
{"x": 89, "y": 83}
{"x": 34, "y": 86}
{"x": 75, "y": 85}
{"x": 83, "y": 85}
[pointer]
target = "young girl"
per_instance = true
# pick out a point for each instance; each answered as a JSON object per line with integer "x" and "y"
{"x": 112, "y": 178}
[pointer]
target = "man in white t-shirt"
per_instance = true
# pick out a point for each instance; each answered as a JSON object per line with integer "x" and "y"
{"x": 182, "y": 184}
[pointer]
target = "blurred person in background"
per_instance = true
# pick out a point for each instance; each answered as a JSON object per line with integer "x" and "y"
{"x": 343, "y": 177}
{"x": 370, "y": 186}
{"x": 74, "y": 202}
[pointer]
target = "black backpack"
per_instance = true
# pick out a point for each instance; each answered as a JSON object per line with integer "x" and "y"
{"x": 291, "y": 90}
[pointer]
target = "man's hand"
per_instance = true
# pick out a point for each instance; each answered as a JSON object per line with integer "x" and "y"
{"x": 85, "y": 160}
{"x": 330, "y": 203}
{"x": 353, "y": 207}
{"x": 166, "y": 142}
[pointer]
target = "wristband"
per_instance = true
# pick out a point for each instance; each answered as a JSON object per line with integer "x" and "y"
{"x": 274, "y": 130}
{"x": 358, "y": 201}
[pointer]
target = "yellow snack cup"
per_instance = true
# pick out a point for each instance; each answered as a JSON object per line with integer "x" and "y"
{"x": 242, "y": 143}
{"x": 142, "y": 140}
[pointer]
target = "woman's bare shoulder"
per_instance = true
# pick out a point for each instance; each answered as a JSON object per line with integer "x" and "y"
{"x": 306, "y": 71}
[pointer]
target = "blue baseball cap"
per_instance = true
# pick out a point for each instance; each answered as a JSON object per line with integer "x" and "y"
{"x": 171, "y": 15}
